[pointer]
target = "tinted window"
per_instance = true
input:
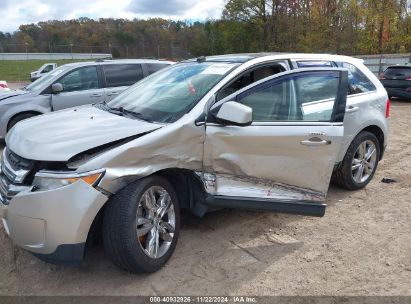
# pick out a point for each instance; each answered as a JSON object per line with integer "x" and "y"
{"x": 303, "y": 97}
{"x": 248, "y": 78}
{"x": 118, "y": 75}
{"x": 397, "y": 71}
{"x": 313, "y": 63}
{"x": 357, "y": 81}
{"x": 80, "y": 79}
{"x": 154, "y": 67}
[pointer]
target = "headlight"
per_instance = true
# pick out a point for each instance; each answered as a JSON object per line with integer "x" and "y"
{"x": 49, "y": 180}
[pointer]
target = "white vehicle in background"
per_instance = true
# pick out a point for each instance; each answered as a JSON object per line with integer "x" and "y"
{"x": 44, "y": 69}
{"x": 3, "y": 86}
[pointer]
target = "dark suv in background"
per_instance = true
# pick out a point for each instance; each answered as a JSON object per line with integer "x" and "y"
{"x": 397, "y": 81}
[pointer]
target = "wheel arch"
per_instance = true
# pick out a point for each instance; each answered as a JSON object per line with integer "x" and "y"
{"x": 22, "y": 113}
{"x": 189, "y": 188}
{"x": 377, "y": 131}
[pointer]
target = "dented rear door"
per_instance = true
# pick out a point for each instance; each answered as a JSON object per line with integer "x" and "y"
{"x": 289, "y": 150}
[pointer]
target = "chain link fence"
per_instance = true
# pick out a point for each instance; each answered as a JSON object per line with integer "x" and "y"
{"x": 378, "y": 63}
{"x": 135, "y": 50}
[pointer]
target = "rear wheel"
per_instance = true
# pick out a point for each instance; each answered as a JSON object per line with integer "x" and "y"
{"x": 360, "y": 162}
{"x": 141, "y": 225}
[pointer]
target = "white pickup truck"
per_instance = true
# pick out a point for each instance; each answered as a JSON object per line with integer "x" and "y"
{"x": 44, "y": 69}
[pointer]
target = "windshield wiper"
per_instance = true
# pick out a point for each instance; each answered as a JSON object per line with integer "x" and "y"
{"x": 121, "y": 111}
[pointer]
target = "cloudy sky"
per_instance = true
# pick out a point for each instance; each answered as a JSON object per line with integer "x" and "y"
{"x": 13, "y": 12}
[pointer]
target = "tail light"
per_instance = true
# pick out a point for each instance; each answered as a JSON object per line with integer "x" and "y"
{"x": 381, "y": 76}
{"x": 387, "y": 109}
{"x": 408, "y": 78}
{"x": 3, "y": 85}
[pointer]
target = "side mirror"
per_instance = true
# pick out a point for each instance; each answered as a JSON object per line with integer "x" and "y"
{"x": 57, "y": 88}
{"x": 235, "y": 113}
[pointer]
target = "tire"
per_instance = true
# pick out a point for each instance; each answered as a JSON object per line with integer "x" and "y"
{"x": 127, "y": 214}
{"x": 19, "y": 117}
{"x": 347, "y": 173}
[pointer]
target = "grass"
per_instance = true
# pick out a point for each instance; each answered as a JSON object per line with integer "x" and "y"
{"x": 19, "y": 70}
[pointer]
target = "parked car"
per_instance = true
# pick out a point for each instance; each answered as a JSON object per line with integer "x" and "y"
{"x": 3, "y": 86}
{"x": 73, "y": 85}
{"x": 241, "y": 131}
{"x": 397, "y": 81}
{"x": 43, "y": 70}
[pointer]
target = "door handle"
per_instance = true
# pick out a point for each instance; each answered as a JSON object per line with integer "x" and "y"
{"x": 315, "y": 141}
{"x": 351, "y": 109}
{"x": 95, "y": 95}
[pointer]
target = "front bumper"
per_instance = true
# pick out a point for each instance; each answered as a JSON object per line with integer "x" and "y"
{"x": 53, "y": 224}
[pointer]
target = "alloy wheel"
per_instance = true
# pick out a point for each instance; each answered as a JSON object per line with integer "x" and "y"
{"x": 364, "y": 161}
{"x": 155, "y": 222}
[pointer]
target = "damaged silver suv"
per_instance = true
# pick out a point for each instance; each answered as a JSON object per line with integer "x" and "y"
{"x": 255, "y": 131}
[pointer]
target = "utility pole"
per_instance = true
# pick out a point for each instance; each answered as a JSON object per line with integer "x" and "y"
{"x": 71, "y": 50}
{"x": 27, "y": 55}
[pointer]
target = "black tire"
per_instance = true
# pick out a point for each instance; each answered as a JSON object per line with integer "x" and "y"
{"x": 119, "y": 227}
{"x": 342, "y": 176}
{"x": 18, "y": 118}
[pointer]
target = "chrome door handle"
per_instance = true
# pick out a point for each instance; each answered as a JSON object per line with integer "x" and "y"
{"x": 351, "y": 109}
{"x": 315, "y": 141}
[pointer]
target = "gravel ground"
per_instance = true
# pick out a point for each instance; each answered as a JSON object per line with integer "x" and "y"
{"x": 362, "y": 246}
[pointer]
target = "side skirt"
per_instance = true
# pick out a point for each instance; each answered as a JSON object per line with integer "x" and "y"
{"x": 293, "y": 207}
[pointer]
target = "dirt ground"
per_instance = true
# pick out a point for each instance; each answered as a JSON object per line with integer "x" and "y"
{"x": 362, "y": 246}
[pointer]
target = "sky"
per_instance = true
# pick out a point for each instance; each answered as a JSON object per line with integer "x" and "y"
{"x": 14, "y": 13}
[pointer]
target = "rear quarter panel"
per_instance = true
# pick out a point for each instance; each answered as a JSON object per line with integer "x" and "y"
{"x": 372, "y": 111}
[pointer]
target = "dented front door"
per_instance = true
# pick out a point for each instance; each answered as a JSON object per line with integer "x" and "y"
{"x": 289, "y": 150}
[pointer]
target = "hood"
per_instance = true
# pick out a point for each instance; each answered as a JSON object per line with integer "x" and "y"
{"x": 61, "y": 135}
{"x": 8, "y": 94}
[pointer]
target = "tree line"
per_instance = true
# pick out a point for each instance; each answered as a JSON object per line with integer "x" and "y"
{"x": 350, "y": 27}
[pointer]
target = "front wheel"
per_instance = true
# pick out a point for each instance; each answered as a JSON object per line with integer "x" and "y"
{"x": 360, "y": 162}
{"x": 141, "y": 225}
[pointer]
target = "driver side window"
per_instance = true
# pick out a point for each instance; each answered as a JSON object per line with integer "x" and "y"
{"x": 81, "y": 79}
{"x": 47, "y": 69}
{"x": 250, "y": 77}
{"x": 307, "y": 96}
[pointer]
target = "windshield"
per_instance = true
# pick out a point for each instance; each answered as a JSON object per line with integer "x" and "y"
{"x": 46, "y": 80}
{"x": 170, "y": 93}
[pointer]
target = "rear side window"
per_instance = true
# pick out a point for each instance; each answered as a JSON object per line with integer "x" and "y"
{"x": 357, "y": 81}
{"x": 154, "y": 67}
{"x": 314, "y": 63}
{"x": 119, "y": 75}
{"x": 397, "y": 71}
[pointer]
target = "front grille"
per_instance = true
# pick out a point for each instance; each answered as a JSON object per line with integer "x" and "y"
{"x": 17, "y": 162}
{"x": 14, "y": 170}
